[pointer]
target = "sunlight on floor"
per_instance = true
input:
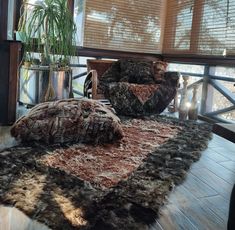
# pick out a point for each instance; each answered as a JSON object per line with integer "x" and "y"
{"x": 72, "y": 213}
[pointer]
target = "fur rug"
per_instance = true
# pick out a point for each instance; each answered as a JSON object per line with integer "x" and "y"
{"x": 118, "y": 186}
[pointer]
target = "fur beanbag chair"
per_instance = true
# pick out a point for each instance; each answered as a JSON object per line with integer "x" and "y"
{"x": 139, "y": 87}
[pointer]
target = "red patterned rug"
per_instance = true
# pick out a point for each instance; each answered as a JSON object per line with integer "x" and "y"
{"x": 106, "y": 165}
{"x": 111, "y": 186}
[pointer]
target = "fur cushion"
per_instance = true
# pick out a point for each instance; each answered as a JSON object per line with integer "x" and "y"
{"x": 143, "y": 99}
{"x": 136, "y": 71}
{"x": 159, "y": 68}
{"x": 68, "y": 120}
{"x": 112, "y": 74}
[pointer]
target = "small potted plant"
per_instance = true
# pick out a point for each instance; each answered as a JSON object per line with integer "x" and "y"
{"x": 27, "y": 59}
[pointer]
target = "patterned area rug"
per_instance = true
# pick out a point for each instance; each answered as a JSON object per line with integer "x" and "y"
{"x": 111, "y": 186}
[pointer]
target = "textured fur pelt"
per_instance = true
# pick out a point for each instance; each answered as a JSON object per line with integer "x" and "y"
{"x": 141, "y": 99}
{"x": 68, "y": 120}
{"x": 137, "y": 88}
{"x": 63, "y": 200}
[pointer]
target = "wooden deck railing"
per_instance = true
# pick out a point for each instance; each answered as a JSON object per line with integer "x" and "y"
{"x": 208, "y": 81}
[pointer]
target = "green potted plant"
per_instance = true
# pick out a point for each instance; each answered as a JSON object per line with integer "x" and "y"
{"x": 49, "y": 29}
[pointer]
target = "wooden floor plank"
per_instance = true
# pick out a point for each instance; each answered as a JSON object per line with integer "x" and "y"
{"x": 217, "y": 141}
{"x": 19, "y": 217}
{"x": 215, "y": 156}
{"x": 220, "y": 139}
{"x": 218, "y": 204}
{"x": 13, "y": 219}
{"x": 203, "y": 161}
{"x": 4, "y": 218}
{"x": 225, "y": 130}
{"x": 198, "y": 188}
{"x": 229, "y": 165}
{"x": 216, "y": 168}
{"x": 6, "y": 140}
{"x": 156, "y": 226}
{"x": 171, "y": 218}
{"x": 227, "y": 153}
{"x": 219, "y": 185}
{"x": 196, "y": 211}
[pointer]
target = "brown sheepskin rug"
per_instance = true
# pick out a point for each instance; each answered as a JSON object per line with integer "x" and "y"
{"x": 110, "y": 186}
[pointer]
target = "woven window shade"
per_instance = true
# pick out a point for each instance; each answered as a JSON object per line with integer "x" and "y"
{"x": 124, "y": 25}
{"x": 200, "y": 27}
{"x": 178, "y": 26}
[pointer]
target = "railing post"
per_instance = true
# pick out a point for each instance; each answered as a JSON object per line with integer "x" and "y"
{"x": 207, "y": 92}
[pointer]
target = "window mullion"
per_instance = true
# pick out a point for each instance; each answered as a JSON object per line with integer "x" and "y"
{"x": 196, "y": 25}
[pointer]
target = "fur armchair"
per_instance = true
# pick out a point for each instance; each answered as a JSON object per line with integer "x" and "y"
{"x": 133, "y": 87}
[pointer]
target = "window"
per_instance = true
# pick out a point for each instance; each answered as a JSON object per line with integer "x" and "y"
{"x": 26, "y": 12}
{"x": 178, "y": 25}
{"x": 10, "y": 20}
{"x": 78, "y": 19}
{"x": 200, "y": 27}
{"x": 126, "y": 25}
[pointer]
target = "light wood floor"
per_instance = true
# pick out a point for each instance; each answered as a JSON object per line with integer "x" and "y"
{"x": 201, "y": 202}
{"x": 13, "y": 219}
{"x": 5, "y": 138}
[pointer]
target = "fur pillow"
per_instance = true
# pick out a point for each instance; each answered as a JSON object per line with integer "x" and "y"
{"x": 112, "y": 74}
{"x": 136, "y": 71}
{"x": 68, "y": 120}
{"x": 159, "y": 68}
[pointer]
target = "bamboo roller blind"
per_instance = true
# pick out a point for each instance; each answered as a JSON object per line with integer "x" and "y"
{"x": 200, "y": 27}
{"x": 124, "y": 25}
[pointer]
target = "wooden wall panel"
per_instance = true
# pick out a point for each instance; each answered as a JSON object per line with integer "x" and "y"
{"x": 9, "y": 60}
{"x": 4, "y": 90}
{"x": 3, "y": 19}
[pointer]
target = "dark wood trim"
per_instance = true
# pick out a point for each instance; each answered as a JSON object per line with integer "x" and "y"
{"x": 200, "y": 59}
{"x": 9, "y": 59}
{"x": 206, "y": 119}
{"x": 99, "y": 53}
{"x": 225, "y": 130}
{"x": 4, "y": 72}
{"x": 3, "y": 19}
{"x": 71, "y": 6}
{"x": 174, "y": 58}
{"x": 15, "y": 48}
